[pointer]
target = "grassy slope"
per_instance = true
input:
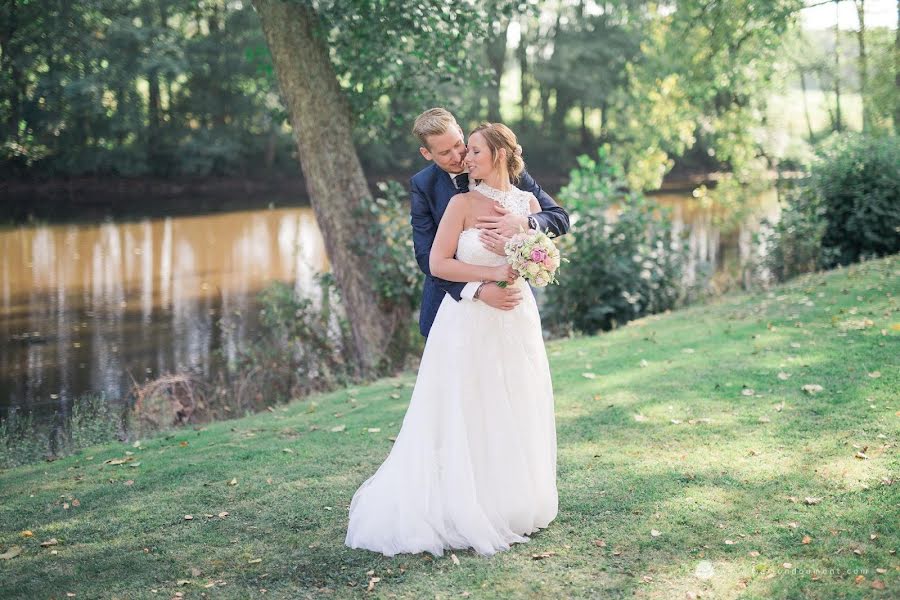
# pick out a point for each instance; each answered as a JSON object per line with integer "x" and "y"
{"x": 740, "y": 477}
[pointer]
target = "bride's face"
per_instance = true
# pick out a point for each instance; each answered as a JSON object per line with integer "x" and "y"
{"x": 478, "y": 159}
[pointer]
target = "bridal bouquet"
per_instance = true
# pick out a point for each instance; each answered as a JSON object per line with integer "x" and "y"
{"x": 533, "y": 256}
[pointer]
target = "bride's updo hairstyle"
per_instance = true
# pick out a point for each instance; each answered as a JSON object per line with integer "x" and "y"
{"x": 497, "y": 136}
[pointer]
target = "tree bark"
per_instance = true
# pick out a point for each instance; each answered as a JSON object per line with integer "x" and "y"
{"x": 863, "y": 64}
{"x": 495, "y": 50}
{"x": 806, "y": 106}
{"x": 838, "y": 121}
{"x": 320, "y": 117}
{"x": 897, "y": 74}
{"x": 524, "y": 84}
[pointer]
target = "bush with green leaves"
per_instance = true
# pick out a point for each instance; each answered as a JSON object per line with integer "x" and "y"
{"x": 857, "y": 179}
{"x": 394, "y": 268}
{"x": 625, "y": 260}
{"x": 792, "y": 244}
{"x": 302, "y": 345}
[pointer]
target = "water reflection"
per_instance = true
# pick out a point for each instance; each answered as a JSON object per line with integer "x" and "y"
{"x": 89, "y": 308}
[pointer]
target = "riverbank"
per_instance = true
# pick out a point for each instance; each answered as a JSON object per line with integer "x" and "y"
{"x": 88, "y": 199}
{"x": 742, "y": 448}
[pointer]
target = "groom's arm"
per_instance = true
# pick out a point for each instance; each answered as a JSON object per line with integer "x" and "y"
{"x": 424, "y": 230}
{"x": 553, "y": 218}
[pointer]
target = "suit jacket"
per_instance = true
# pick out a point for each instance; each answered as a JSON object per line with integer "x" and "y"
{"x": 430, "y": 192}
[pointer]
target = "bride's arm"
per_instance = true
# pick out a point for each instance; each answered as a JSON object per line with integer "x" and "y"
{"x": 441, "y": 261}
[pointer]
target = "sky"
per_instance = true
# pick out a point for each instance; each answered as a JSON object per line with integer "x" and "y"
{"x": 879, "y": 13}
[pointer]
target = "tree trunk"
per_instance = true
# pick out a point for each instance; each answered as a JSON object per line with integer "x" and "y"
{"x": 524, "y": 84}
{"x": 495, "y": 49}
{"x": 320, "y": 117}
{"x": 838, "y": 121}
{"x": 897, "y": 74}
{"x": 863, "y": 64}
{"x": 806, "y": 107}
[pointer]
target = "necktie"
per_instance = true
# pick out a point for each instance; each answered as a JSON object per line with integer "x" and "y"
{"x": 462, "y": 182}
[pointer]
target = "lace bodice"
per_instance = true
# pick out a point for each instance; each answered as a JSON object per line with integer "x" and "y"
{"x": 514, "y": 200}
{"x": 469, "y": 248}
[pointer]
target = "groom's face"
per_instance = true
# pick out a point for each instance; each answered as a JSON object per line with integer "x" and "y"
{"x": 447, "y": 150}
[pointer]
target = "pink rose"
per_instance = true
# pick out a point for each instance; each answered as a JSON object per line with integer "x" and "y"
{"x": 538, "y": 255}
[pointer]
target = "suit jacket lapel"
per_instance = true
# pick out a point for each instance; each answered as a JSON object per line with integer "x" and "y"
{"x": 443, "y": 192}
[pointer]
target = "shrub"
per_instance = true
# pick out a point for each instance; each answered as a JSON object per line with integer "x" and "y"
{"x": 857, "y": 180}
{"x": 625, "y": 259}
{"x": 793, "y": 244}
{"x": 303, "y": 345}
{"x": 91, "y": 420}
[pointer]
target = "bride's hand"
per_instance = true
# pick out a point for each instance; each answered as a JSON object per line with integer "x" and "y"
{"x": 505, "y": 273}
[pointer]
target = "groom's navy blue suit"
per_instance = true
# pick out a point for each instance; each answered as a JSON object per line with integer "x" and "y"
{"x": 430, "y": 192}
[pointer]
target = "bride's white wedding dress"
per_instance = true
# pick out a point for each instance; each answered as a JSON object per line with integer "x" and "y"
{"x": 474, "y": 464}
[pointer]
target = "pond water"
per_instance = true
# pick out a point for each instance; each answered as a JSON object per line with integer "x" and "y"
{"x": 96, "y": 307}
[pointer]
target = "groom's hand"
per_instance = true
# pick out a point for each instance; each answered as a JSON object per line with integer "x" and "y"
{"x": 504, "y": 223}
{"x": 501, "y": 298}
{"x": 493, "y": 241}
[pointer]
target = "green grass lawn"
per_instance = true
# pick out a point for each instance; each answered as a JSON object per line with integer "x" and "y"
{"x": 687, "y": 453}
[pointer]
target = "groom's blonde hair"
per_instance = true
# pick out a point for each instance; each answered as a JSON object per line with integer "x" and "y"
{"x": 434, "y": 121}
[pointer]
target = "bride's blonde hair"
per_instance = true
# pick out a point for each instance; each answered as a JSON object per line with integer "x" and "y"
{"x": 497, "y": 136}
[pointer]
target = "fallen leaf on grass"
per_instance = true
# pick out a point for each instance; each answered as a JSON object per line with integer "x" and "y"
{"x": 874, "y": 374}
{"x": 861, "y": 455}
{"x": 753, "y": 553}
{"x": 812, "y": 388}
{"x": 806, "y": 539}
{"x": 50, "y": 542}
{"x": 655, "y": 533}
{"x": 809, "y": 500}
{"x": 338, "y": 428}
{"x": 542, "y": 555}
{"x": 12, "y": 552}
{"x": 765, "y": 419}
{"x": 188, "y": 517}
{"x": 454, "y": 559}
{"x": 784, "y": 376}
{"x": 372, "y": 582}
{"x": 223, "y": 514}
{"x": 118, "y": 461}
{"x": 254, "y": 561}
{"x": 877, "y": 584}
{"x": 687, "y": 350}
{"x": 287, "y": 450}
{"x": 395, "y": 396}
{"x": 747, "y": 392}
{"x": 233, "y": 481}
{"x": 600, "y": 543}
{"x": 589, "y": 375}
{"x": 27, "y": 533}
{"x": 730, "y": 542}
{"x": 374, "y": 430}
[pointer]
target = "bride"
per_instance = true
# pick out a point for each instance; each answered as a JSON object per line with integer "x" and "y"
{"x": 474, "y": 464}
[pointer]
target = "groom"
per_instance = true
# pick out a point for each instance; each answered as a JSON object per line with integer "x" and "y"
{"x": 430, "y": 192}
